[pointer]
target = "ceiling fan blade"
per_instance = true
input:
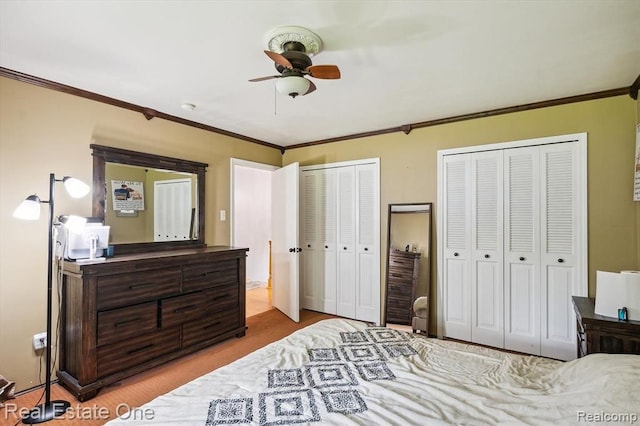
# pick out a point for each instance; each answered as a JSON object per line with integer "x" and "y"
{"x": 279, "y": 59}
{"x": 265, "y": 78}
{"x": 324, "y": 71}
{"x": 312, "y": 87}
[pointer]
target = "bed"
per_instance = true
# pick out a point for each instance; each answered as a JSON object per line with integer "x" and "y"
{"x": 345, "y": 372}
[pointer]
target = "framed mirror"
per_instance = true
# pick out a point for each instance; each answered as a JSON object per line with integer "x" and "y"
{"x": 408, "y": 264}
{"x": 151, "y": 202}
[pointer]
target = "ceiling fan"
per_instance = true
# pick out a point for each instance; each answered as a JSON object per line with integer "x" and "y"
{"x": 290, "y": 50}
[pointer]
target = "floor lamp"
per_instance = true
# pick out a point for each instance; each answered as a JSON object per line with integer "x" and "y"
{"x": 29, "y": 209}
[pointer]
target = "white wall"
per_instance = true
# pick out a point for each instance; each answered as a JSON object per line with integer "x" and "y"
{"x": 252, "y": 218}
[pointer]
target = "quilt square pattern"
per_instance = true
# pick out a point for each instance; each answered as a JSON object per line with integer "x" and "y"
{"x": 230, "y": 411}
{"x": 287, "y": 407}
{"x": 324, "y": 355}
{"x": 328, "y": 375}
{"x": 365, "y": 352}
{"x": 399, "y": 349}
{"x": 370, "y": 371}
{"x": 346, "y": 401}
{"x": 353, "y": 337}
{"x": 384, "y": 335}
{"x": 285, "y": 378}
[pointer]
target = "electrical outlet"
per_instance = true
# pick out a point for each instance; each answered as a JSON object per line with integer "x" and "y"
{"x": 39, "y": 341}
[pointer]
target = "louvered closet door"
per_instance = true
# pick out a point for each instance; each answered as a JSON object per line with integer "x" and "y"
{"x": 456, "y": 246}
{"x": 328, "y": 234}
{"x": 522, "y": 249}
{"x": 368, "y": 237}
{"x": 319, "y": 240}
{"x": 486, "y": 249}
{"x": 312, "y": 279}
{"x": 560, "y": 240}
{"x": 346, "y": 242}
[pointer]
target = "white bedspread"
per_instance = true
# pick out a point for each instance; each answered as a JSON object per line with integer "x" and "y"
{"x": 345, "y": 373}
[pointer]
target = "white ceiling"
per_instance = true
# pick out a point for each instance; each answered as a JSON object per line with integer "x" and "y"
{"x": 402, "y": 62}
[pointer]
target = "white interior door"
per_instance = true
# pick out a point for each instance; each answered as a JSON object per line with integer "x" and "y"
{"x": 285, "y": 246}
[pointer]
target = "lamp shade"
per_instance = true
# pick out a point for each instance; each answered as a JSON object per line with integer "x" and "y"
{"x": 29, "y": 209}
{"x": 73, "y": 223}
{"x": 293, "y": 86}
{"x": 75, "y": 187}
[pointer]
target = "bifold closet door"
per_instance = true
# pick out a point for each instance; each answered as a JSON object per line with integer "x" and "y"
{"x": 319, "y": 240}
{"x": 487, "y": 300}
{"x": 522, "y": 249}
{"x": 457, "y": 246}
{"x": 346, "y": 243}
{"x": 560, "y": 240}
{"x": 368, "y": 237}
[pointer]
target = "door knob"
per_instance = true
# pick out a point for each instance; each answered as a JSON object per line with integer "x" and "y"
{"x": 298, "y": 250}
{"x": 292, "y": 250}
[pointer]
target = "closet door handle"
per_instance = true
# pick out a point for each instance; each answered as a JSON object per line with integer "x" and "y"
{"x": 486, "y": 256}
{"x": 292, "y": 250}
{"x": 560, "y": 260}
{"x": 366, "y": 249}
{"x": 522, "y": 259}
{"x": 308, "y": 245}
{"x": 326, "y": 247}
{"x": 456, "y": 254}
{"x": 344, "y": 248}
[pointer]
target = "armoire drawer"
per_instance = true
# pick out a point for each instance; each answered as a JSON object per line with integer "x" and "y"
{"x": 124, "y": 323}
{"x": 136, "y": 287}
{"x": 208, "y": 327}
{"x": 128, "y": 353}
{"x": 210, "y": 274}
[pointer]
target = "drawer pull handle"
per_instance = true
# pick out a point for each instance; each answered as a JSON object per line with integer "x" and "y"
{"x": 184, "y": 309}
{"x": 326, "y": 247}
{"x": 522, "y": 259}
{"x": 456, "y": 254}
{"x": 212, "y": 325}
{"x": 136, "y": 286}
{"x": 560, "y": 260}
{"x": 486, "y": 256}
{"x": 135, "y": 351}
{"x": 366, "y": 249}
{"x": 121, "y": 323}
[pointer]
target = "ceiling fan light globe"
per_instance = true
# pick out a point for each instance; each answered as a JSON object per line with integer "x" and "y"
{"x": 292, "y": 86}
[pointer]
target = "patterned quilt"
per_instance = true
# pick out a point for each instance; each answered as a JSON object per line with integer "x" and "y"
{"x": 344, "y": 372}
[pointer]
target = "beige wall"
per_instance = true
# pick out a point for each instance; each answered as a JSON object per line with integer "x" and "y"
{"x": 42, "y": 132}
{"x": 408, "y": 169}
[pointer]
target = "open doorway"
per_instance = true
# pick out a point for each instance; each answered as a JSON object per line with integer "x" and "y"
{"x": 251, "y": 227}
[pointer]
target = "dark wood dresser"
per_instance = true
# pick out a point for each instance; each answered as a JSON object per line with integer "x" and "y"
{"x": 402, "y": 276}
{"x": 597, "y": 333}
{"x": 133, "y": 312}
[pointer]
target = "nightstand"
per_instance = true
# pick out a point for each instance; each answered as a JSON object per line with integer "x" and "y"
{"x": 597, "y": 333}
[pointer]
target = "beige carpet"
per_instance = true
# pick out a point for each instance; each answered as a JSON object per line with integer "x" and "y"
{"x": 263, "y": 329}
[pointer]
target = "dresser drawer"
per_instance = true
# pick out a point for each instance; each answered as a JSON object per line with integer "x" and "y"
{"x": 209, "y": 327}
{"x": 179, "y": 309}
{"x": 210, "y": 274}
{"x": 402, "y": 261}
{"x": 136, "y": 287}
{"x": 123, "y": 323}
{"x": 124, "y": 354}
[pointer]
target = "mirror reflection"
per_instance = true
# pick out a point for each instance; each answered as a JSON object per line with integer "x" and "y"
{"x": 151, "y": 202}
{"x": 409, "y": 265}
{"x": 144, "y": 204}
